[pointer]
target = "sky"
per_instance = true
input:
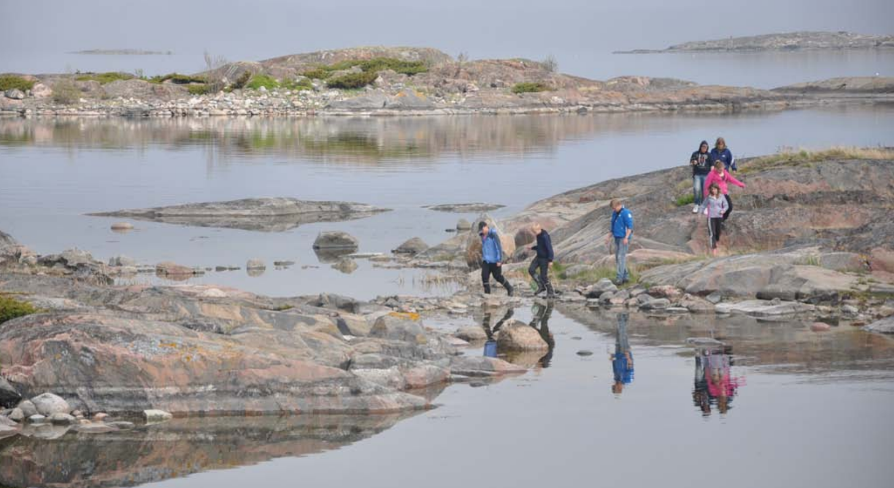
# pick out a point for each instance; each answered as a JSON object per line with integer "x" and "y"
{"x": 570, "y": 30}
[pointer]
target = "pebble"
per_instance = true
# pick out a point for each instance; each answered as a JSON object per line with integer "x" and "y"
{"x": 584, "y": 352}
{"x": 820, "y": 327}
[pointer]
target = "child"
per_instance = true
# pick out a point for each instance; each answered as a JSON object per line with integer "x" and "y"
{"x": 492, "y": 258}
{"x": 721, "y": 177}
{"x": 716, "y": 206}
{"x": 700, "y": 161}
{"x": 621, "y": 230}
{"x": 542, "y": 261}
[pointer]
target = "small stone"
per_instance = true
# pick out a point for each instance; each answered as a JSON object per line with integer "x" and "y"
{"x": 471, "y": 334}
{"x": 122, "y": 425}
{"x": 37, "y": 419}
{"x": 27, "y": 407}
{"x": 16, "y": 415}
{"x": 850, "y": 310}
{"x": 156, "y": 415}
{"x": 100, "y": 417}
{"x": 255, "y": 264}
{"x": 62, "y": 419}
{"x": 14, "y": 94}
{"x": 584, "y": 352}
{"x": 714, "y": 298}
{"x": 122, "y": 226}
{"x": 283, "y": 264}
{"x": 820, "y": 327}
{"x": 77, "y": 413}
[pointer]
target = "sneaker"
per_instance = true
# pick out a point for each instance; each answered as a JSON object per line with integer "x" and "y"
{"x": 695, "y": 209}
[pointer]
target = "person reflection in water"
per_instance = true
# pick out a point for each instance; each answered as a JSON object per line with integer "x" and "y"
{"x": 490, "y": 346}
{"x": 714, "y": 383}
{"x": 622, "y": 359}
{"x": 540, "y": 322}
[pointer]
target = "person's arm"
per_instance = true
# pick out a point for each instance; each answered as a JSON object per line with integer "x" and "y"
{"x": 549, "y": 248}
{"x": 499, "y": 247}
{"x": 732, "y": 179}
{"x": 708, "y": 181}
{"x": 628, "y": 222}
{"x": 732, "y": 161}
{"x": 723, "y": 205}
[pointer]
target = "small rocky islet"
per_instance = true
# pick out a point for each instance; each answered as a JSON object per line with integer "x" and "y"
{"x": 397, "y": 81}
{"x": 785, "y": 41}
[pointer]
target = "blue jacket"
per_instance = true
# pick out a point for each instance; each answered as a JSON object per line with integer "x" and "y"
{"x": 621, "y": 221}
{"x": 491, "y": 248}
{"x": 726, "y": 156}
{"x": 544, "y": 246}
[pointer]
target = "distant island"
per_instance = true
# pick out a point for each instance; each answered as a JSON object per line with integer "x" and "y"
{"x": 124, "y": 52}
{"x": 786, "y": 41}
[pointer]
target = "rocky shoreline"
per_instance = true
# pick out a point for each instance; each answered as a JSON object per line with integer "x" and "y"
{"x": 788, "y": 41}
{"x": 292, "y": 86}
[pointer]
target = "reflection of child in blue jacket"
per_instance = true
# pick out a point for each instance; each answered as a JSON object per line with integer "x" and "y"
{"x": 622, "y": 359}
{"x": 490, "y": 346}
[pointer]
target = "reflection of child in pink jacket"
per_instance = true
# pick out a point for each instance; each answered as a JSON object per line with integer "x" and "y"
{"x": 722, "y": 177}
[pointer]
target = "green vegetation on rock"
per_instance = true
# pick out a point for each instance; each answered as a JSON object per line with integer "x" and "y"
{"x": 177, "y": 79}
{"x": 198, "y": 89}
{"x": 65, "y": 92}
{"x": 260, "y": 80}
{"x": 353, "y": 80}
{"x": 11, "y": 308}
{"x": 11, "y": 82}
{"x": 687, "y": 199}
{"x": 369, "y": 71}
{"x": 530, "y": 87}
{"x": 791, "y": 157}
{"x": 104, "y": 78}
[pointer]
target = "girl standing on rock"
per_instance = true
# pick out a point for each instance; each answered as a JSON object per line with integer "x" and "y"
{"x": 715, "y": 206}
{"x": 722, "y": 178}
{"x": 722, "y": 153}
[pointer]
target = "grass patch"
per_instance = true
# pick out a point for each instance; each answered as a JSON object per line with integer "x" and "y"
{"x": 687, "y": 199}
{"x": 317, "y": 74}
{"x": 353, "y": 80}
{"x": 529, "y": 87}
{"x": 11, "y": 308}
{"x": 260, "y": 80}
{"x": 297, "y": 85}
{"x": 792, "y": 157}
{"x": 10, "y": 82}
{"x": 198, "y": 89}
{"x": 105, "y": 78}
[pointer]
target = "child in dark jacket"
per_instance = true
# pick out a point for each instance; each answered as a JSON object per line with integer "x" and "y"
{"x": 542, "y": 261}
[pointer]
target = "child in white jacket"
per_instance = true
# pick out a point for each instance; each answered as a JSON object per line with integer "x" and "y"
{"x": 715, "y": 207}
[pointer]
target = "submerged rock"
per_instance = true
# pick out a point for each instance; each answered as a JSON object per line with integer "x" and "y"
{"x": 412, "y": 247}
{"x": 465, "y": 208}
{"x": 261, "y": 214}
{"x": 335, "y": 240}
{"x": 156, "y": 415}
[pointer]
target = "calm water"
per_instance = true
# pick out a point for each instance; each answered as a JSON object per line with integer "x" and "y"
{"x": 779, "y": 406}
{"x": 54, "y": 172}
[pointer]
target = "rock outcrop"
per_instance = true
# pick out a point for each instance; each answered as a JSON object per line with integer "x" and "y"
{"x": 261, "y": 214}
{"x": 788, "y": 41}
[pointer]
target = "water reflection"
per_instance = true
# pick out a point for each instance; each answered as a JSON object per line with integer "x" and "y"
{"x": 175, "y": 449}
{"x": 490, "y": 346}
{"x": 540, "y": 322}
{"x": 715, "y": 385}
{"x": 540, "y": 315}
{"x": 622, "y": 359}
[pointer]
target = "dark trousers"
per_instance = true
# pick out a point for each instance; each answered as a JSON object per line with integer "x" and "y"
{"x": 729, "y": 210}
{"x": 543, "y": 265}
{"x": 488, "y": 269}
{"x": 716, "y": 224}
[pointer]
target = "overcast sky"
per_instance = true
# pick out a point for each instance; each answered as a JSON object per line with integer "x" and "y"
{"x": 260, "y": 29}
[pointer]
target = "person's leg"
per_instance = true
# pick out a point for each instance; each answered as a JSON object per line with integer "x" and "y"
{"x": 718, "y": 229}
{"x": 532, "y": 270}
{"x": 715, "y": 231}
{"x": 498, "y": 275}
{"x": 698, "y": 187}
{"x": 621, "y": 260}
{"x": 729, "y": 210}
{"x": 544, "y": 278}
{"x": 485, "y": 277}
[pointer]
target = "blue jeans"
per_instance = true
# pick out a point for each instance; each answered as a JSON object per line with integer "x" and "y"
{"x": 698, "y": 188}
{"x": 621, "y": 259}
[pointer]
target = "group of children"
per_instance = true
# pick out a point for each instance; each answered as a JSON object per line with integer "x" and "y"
{"x": 711, "y": 176}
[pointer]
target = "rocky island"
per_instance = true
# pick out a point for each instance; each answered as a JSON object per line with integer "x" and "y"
{"x": 389, "y": 81}
{"x": 787, "y": 41}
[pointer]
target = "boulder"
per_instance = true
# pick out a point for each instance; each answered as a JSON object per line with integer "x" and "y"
{"x": 48, "y": 404}
{"x": 255, "y": 264}
{"x": 14, "y": 94}
{"x": 336, "y": 240}
{"x": 156, "y": 415}
{"x": 764, "y": 308}
{"x": 409, "y": 99}
{"x": 412, "y": 247}
{"x": 17, "y": 415}
{"x": 820, "y": 327}
{"x": 170, "y": 269}
{"x": 41, "y": 91}
{"x": 8, "y": 395}
{"x": 396, "y": 327}
{"x": 696, "y": 304}
{"x": 672, "y": 293}
{"x": 884, "y": 326}
{"x": 122, "y": 261}
{"x": 519, "y": 336}
{"x": 62, "y": 419}
{"x": 473, "y": 243}
{"x": 27, "y": 408}
{"x": 463, "y": 224}
{"x": 122, "y": 226}
{"x": 656, "y": 304}
{"x": 597, "y": 289}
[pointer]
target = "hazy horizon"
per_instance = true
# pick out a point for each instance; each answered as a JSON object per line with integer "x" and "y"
{"x": 571, "y": 30}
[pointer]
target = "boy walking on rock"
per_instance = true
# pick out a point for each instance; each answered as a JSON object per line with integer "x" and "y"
{"x": 492, "y": 258}
{"x": 542, "y": 261}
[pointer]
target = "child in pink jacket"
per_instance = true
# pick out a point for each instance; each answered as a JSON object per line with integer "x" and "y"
{"x": 722, "y": 178}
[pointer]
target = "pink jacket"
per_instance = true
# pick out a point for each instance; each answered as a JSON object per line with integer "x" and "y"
{"x": 721, "y": 181}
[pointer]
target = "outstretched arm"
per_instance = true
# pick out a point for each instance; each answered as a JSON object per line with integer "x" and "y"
{"x": 732, "y": 179}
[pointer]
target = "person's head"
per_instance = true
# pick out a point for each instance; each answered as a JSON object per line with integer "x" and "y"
{"x": 616, "y": 204}
{"x": 483, "y": 228}
{"x": 714, "y": 190}
{"x": 536, "y": 228}
{"x": 720, "y": 144}
{"x": 718, "y": 166}
{"x": 703, "y": 147}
